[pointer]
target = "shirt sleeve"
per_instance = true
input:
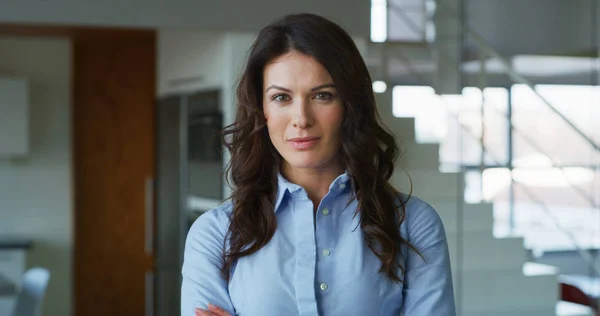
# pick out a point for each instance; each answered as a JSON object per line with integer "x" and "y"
{"x": 202, "y": 281}
{"x": 428, "y": 288}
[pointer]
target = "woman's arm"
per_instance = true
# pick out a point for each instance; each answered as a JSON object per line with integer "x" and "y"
{"x": 202, "y": 281}
{"x": 428, "y": 286}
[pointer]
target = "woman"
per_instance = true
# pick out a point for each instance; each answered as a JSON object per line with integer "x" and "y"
{"x": 313, "y": 226}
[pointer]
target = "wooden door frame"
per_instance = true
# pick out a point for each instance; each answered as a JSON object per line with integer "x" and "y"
{"x": 79, "y": 33}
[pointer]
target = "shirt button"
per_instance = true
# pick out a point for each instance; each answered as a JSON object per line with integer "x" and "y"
{"x": 325, "y": 211}
{"x": 323, "y": 286}
{"x": 326, "y": 252}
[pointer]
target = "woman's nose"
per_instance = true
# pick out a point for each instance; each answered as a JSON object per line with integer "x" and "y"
{"x": 302, "y": 117}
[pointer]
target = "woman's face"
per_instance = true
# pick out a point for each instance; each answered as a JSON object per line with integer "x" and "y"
{"x": 303, "y": 110}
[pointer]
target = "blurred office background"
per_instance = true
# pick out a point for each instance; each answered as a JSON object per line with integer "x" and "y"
{"x": 109, "y": 148}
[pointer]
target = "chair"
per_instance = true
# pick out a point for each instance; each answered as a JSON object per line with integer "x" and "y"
{"x": 31, "y": 292}
{"x": 570, "y": 293}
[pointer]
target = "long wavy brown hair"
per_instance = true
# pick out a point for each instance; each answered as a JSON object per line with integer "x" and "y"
{"x": 368, "y": 152}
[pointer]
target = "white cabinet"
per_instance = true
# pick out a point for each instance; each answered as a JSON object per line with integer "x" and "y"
{"x": 14, "y": 117}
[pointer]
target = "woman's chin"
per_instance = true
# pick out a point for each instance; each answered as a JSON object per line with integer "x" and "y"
{"x": 308, "y": 163}
{"x": 305, "y": 165}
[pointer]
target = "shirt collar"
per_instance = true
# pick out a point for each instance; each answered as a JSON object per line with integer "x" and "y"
{"x": 286, "y": 187}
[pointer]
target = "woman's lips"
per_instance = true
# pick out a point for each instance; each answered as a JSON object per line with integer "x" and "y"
{"x": 303, "y": 142}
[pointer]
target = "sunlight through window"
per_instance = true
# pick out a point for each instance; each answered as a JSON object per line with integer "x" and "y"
{"x": 378, "y": 20}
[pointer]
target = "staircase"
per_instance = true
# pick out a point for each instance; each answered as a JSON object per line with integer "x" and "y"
{"x": 491, "y": 276}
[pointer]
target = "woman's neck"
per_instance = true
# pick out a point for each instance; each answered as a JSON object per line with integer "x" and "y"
{"x": 315, "y": 181}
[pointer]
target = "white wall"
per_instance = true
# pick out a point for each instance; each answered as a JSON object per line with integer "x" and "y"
{"x": 217, "y": 59}
{"x": 189, "y": 61}
{"x": 236, "y": 52}
{"x": 36, "y": 192}
{"x": 215, "y": 15}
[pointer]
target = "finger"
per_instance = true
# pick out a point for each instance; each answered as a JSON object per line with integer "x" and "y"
{"x": 203, "y": 312}
{"x": 217, "y": 310}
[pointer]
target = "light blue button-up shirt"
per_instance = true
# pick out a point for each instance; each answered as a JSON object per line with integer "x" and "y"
{"x": 319, "y": 265}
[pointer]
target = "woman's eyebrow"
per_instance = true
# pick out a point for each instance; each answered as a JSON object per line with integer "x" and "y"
{"x": 327, "y": 85}
{"x": 319, "y": 87}
{"x": 278, "y": 88}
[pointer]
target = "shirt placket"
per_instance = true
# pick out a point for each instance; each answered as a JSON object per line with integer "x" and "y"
{"x": 305, "y": 258}
{"x": 325, "y": 247}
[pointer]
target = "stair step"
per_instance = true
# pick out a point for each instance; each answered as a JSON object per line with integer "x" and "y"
{"x": 420, "y": 156}
{"x": 571, "y": 309}
{"x": 505, "y": 289}
{"x": 526, "y": 270}
{"x": 429, "y": 184}
{"x": 481, "y": 251}
{"x": 546, "y": 310}
{"x": 401, "y": 127}
{"x": 534, "y": 268}
{"x": 459, "y": 216}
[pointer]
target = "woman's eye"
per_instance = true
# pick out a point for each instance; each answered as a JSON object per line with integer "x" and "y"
{"x": 281, "y": 98}
{"x": 324, "y": 96}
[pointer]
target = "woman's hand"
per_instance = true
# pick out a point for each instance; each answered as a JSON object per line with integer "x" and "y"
{"x": 212, "y": 311}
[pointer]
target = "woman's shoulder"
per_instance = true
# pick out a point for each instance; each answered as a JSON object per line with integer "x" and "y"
{"x": 214, "y": 221}
{"x": 420, "y": 217}
{"x": 416, "y": 207}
